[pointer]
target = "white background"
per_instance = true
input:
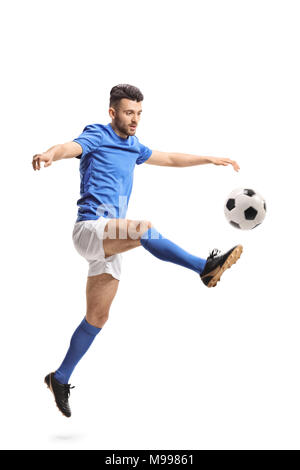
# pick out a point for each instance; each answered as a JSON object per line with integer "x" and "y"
{"x": 177, "y": 366}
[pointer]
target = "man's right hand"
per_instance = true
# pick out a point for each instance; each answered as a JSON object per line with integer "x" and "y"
{"x": 46, "y": 157}
{"x": 57, "y": 152}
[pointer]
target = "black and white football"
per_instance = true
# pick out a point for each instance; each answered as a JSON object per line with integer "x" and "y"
{"x": 245, "y": 208}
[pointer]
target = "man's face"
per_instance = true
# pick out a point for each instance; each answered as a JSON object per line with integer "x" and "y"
{"x": 128, "y": 115}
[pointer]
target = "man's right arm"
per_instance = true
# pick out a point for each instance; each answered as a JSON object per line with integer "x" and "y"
{"x": 57, "y": 152}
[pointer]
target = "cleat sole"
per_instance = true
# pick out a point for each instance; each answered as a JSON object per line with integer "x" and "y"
{"x": 232, "y": 259}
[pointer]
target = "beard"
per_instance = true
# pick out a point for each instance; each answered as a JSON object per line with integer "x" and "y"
{"x": 122, "y": 127}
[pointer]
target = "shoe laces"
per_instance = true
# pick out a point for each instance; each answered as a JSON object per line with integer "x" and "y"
{"x": 67, "y": 388}
{"x": 215, "y": 252}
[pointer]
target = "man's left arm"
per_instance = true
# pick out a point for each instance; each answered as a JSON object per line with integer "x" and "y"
{"x": 181, "y": 160}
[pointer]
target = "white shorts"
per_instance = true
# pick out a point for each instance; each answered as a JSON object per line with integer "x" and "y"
{"x": 88, "y": 241}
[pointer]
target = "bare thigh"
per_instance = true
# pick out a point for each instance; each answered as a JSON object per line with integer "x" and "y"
{"x": 100, "y": 292}
{"x": 123, "y": 234}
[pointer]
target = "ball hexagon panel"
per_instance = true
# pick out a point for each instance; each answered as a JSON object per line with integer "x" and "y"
{"x": 250, "y": 213}
{"x": 230, "y": 204}
{"x": 249, "y": 192}
{"x": 234, "y": 224}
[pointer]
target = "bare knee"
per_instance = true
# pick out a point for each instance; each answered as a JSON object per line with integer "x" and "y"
{"x": 97, "y": 318}
{"x": 144, "y": 226}
{"x": 147, "y": 223}
{"x": 138, "y": 228}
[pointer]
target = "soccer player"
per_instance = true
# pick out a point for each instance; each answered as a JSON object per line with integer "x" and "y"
{"x": 108, "y": 154}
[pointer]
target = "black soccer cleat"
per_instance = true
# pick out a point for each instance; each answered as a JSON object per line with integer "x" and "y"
{"x": 61, "y": 393}
{"x": 216, "y": 264}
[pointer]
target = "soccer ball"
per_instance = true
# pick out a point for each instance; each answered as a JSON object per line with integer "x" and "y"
{"x": 245, "y": 208}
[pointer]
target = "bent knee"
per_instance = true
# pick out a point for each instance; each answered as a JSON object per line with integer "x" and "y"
{"x": 144, "y": 225}
{"x": 136, "y": 228}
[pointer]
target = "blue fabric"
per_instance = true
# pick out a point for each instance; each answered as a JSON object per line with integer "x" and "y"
{"x": 166, "y": 250}
{"x": 107, "y": 166}
{"x": 81, "y": 340}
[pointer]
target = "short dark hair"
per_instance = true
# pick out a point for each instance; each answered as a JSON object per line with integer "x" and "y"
{"x": 124, "y": 91}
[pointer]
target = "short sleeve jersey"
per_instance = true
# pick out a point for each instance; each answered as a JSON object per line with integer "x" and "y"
{"x": 107, "y": 164}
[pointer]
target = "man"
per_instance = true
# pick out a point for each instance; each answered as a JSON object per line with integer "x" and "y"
{"x": 108, "y": 155}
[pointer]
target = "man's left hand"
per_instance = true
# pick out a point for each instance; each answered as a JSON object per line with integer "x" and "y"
{"x": 224, "y": 162}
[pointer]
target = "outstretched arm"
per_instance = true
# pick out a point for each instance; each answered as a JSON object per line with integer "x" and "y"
{"x": 183, "y": 160}
{"x": 57, "y": 152}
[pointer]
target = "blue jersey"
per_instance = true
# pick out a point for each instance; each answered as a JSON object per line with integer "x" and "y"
{"x": 107, "y": 164}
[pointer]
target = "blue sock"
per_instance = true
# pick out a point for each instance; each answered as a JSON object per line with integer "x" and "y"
{"x": 81, "y": 340}
{"x": 166, "y": 250}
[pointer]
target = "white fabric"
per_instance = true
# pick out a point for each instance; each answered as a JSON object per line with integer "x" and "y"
{"x": 88, "y": 241}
